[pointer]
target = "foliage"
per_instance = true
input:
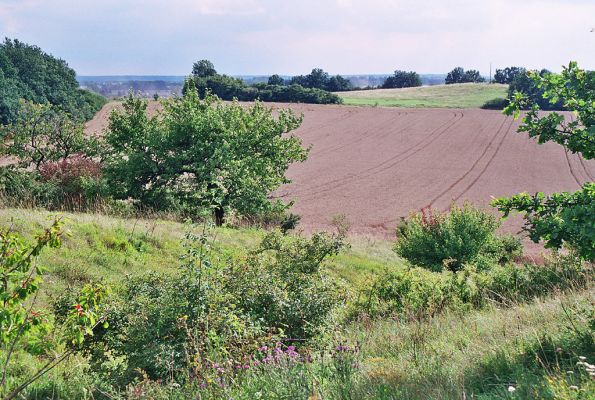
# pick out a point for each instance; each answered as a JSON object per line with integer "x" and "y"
{"x": 229, "y": 88}
{"x": 508, "y": 74}
{"x": 450, "y": 240}
{"x": 23, "y": 326}
{"x": 533, "y": 91}
{"x": 495, "y": 104}
{"x": 203, "y": 68}
{"x": 402, "y": 79}
{"x": 275, "y": 80}
{"x": 319, "y": 79}
{"x": 298, "y": 295}
{"x": 459, "y": 75}
{"x": 575, "y": 89}
{"x": 42, "y": 133}
{"x": 26, "y": 72}
{"x": 217, "y": 310}
{"x": 561, "y": 218}
{"x": 200, "y": 154}
{"x": 419, "y": 293}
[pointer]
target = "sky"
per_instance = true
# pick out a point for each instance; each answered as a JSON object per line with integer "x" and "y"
{"x": 288, "y": 37}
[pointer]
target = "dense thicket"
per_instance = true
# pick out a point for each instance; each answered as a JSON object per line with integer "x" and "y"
{"x": 524, "y": 83}
{"x": 27, "y": 72}
{"x": 314, "y": 88}
{"x": 402, "y": 79}
{"x": 508, "y": 74}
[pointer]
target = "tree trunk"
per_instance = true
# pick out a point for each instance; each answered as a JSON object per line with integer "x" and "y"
{"x": 219, "y": 213}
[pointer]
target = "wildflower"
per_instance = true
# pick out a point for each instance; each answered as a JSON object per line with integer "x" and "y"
{"x": 79, "y": 308}
{"x": 582, "y": 358}
{"x": 573, "y": 387}
{"x": 511, "y": 389}
{"x": 263, "y": 348}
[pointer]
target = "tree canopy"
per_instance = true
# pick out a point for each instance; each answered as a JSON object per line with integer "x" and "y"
{"x": 319, "y": 79}
{"x": 508, "y": 74}
{"x": 200, "y": 154}
{"x": 402, "y": 79}
{"x": 560, "y": 219}
{"x": 459, "y": 75}
{"x": 27, "y": 72}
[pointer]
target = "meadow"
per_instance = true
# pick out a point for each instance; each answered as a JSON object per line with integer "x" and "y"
{"x": 462, "y": 95}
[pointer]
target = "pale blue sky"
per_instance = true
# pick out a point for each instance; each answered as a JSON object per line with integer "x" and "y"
{"x": 104, "y": 37}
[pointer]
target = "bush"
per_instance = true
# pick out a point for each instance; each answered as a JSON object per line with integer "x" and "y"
{"x": 495, "y": 104}
{"x": 217, "y": 311}
{"x": 450, "y": 240}
{"x": 419, "y": 293}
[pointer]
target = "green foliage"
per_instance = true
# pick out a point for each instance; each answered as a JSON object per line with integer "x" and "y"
{"x": 275, "y": 80}
{"x": 560, "y": 219}
{"x": 575, "y": 89}
{"x": 298, "y": 295}
{"x": 42, "y": 133}
{"x": 420, "y": 293}
{"x": 459, "y": 75}
{"x": 26, "y": 72}
{"x": 495, "y": 104}
{"x": 508, "y": 74}
{"x": 217, "y": 310}
{"x": 200, "y": 154}
{"x": 532, "y": 91}
{"x": 450, "y": 240}
{"x": 402, "y": 79}
{"x": 319, "y": 79}
{"x": 203, "y": 68}
{"x": 22, "y": 326}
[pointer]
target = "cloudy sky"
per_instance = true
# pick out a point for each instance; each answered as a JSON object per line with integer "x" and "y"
{"x": 109, "y": 37}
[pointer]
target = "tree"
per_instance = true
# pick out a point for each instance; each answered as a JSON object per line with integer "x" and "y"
{"x": 203, "y": 69}
{"x": 276, "y": 80}
{"x": 459, "y": 75}
{"x": 455, "y": 76}
{"x": 560, "y": 219}
{"x": 473, "y": 76}
{"x": 526, "y": 84}
{"x": 43, "y": 133}
{"x": 338, "y": 84}
{"x": 200, "y": 154}
{"x": 402, "y": 79}
{"x": 27, "y": 72}
{"x": 508, "y": 74}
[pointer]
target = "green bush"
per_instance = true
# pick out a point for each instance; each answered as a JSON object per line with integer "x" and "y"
{"x": 495, "y": 104}
{"x": 417, "y": 292}
{"x": 216, "y": 310}
{"x": 450, "y": 240}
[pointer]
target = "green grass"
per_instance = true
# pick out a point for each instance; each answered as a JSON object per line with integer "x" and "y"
{"x": 465, "y": 95}
{"x": 106, "y": 248}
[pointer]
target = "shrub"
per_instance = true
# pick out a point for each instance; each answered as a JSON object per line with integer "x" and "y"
{"x": 217, "y": 311}
{"x": 495, "y": 104}
{"x": 420, "y": 293}
{"x": 450, "y": 240}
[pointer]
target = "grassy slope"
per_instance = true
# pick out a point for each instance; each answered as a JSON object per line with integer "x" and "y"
{"x": 465, "y": 95}
{"x": 102, "y": 247}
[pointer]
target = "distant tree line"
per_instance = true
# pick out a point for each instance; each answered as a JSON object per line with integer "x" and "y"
{"x": 402, "y": 79}
{"x": 205, "y": 79}
{"x": 27, "y": 72}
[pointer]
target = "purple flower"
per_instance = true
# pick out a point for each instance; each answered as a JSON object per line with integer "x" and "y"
{"x": 291, "y": 348}
{"x": 263, "y": 348}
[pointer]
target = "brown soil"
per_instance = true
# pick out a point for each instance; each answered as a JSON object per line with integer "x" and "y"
{"x": 376, "y": 165}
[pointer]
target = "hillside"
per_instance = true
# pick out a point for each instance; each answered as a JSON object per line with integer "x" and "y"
{"x": 463, "y": 95}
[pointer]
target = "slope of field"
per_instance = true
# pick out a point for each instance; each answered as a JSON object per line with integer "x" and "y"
{"x": 376, "y": 165}
{"x": 464, "y": 95}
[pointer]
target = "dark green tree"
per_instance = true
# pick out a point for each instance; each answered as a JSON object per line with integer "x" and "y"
{"x": 402, "y": 79}
{"x": 508, "y": 74}
{"x": 203, "y": 69}
{"x": 459, "y": 75}
{"x": 276, "y": 80}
